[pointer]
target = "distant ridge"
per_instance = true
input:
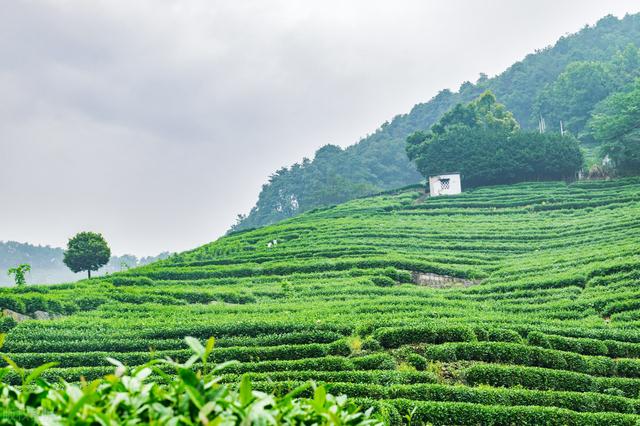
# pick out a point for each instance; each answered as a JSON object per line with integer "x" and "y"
{"x": 46, "y": 263}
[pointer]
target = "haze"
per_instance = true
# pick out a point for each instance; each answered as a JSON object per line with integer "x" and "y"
{"x": 156, "y": 122}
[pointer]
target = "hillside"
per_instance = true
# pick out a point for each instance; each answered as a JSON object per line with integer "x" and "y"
{"x": 536, "y": 321}
{"x": 560, "y": 82}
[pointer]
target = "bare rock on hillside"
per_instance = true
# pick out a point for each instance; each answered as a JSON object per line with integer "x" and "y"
{"x": 18, "y": 317}
{"x": 41, "y": 315}
{"x": 432, "y": 280}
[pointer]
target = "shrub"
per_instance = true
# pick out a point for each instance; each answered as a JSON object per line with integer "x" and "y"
{"x": 544, "y": 379}
{"x": 191, "y": 397}
{"x": 340, "y": 347}
{"x": 398, "y": 336}
{"x": 12, "y": 303}
{"x": 6, "y": 324}
{"x": 417, "y": 361}
{"x": 380, "y": 361}
{"x": 124, "y": 280}
{"x": 512, "y": 353}
{"x": 88, "y": 303}
{"x": 383, "y": 281}
{"x": 371, "y": 344}
{"x": 536, "y": 338}
{"x": 461, "y": 413}
{"x": 398, "y": 275}
{"x": 497, "y": 334}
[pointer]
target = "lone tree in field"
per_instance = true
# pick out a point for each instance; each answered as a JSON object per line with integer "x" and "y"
{"x": 19, "y": 273}
{"x": 87, "y": 251}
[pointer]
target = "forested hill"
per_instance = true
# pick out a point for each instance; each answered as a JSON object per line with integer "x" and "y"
{"x": 561, "y": 82}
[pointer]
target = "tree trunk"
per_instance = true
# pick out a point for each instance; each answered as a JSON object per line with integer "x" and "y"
{"x": 89, "y": 273}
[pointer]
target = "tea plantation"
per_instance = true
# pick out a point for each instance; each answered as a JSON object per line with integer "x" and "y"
{"x": 531, "y": 314}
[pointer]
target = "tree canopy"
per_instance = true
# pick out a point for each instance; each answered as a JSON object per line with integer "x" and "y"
{"x": 87, "y": 251}
{"x": 572, "y": 96}
{"x": 616, "y": 125}
{"x": 483, "y": 142}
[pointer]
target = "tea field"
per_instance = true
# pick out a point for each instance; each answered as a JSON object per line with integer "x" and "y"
{"x": 531, "y": 314}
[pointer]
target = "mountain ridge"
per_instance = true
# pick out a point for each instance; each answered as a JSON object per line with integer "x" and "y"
{"x": 378, "y": 161}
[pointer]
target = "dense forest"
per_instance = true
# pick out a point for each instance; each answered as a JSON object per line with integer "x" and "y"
{"x": 566, "y": 82}
{"x": 47, "y": 266}
{"x": 483, "y": 142}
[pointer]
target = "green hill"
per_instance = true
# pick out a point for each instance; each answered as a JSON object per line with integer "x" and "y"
{"x": 564, "y": 82}
{"x": 527, "y": 309}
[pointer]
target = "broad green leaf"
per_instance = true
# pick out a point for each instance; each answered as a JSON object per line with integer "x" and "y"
{"x": 195, "y": 396}
{"x": 36, "y": 372}
{"x": 210, "y": 344}
{"x": 14, "y": 366}
{"x": 245, "y": 391}
{"x": 320, "y": 395}
{"x": 188, "y": 376}
{"x": 195, "y": 346}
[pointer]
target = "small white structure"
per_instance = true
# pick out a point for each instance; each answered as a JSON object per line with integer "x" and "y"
{"x": 447, "y": 184}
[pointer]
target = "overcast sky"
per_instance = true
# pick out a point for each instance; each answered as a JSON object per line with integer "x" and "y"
{"x": 156, "y": 122}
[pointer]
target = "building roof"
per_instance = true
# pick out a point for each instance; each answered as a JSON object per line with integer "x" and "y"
{"x": 442, "y": 174}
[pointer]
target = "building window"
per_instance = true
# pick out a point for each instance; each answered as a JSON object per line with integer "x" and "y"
{"x": 444, "y": 183}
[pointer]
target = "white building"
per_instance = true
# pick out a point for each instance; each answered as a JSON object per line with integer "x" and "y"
{"x": 447, "y": 184}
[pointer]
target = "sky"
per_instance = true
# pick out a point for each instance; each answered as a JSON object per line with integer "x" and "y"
{"x": 156, "y": 122}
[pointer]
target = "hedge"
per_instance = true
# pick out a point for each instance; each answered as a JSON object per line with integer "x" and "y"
{"x": 545, "y": 379}
{"x": 461, "y": 413}
{"x": 397, "y": 336}
{"x": 370, "y": 377}
{"x": 137, "y": 344}
{"x": 243, "y": 354}
{"x": 585, "y": 346}
{"x": 576, "y": 401}
{"x": 513, "y": 353}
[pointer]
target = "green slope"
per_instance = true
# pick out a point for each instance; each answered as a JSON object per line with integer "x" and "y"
{"x": 552, "y": 313}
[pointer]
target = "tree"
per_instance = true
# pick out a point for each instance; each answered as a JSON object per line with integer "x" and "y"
{"x": 456, "y": 130}
{"x": 482, "y": 141}
{"x": 572, "y": 96}
{"x": 482, "y": 113}
{"x": 616, "y": 125}
{"x": 87, "y": 251}
{"x": 19, "y": 273}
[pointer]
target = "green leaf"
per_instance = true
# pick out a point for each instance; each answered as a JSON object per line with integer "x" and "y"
{"x": 246, "y": 395}
{"x": 36, "y": 372}
{"x": 209, "y": 348}
{"x": 188, "y": 377}
{"x": 195, "y": 396}
{"x": 206, "y": 409}
{"x": 195, "y": 346}
{"x": 320, "y": 396}
{"x": 14, "y": 366}
{"x": 224, "y": 365}
{"x": 89, "y": 395}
